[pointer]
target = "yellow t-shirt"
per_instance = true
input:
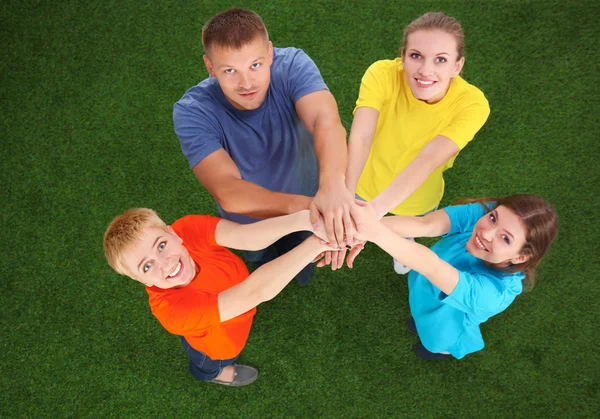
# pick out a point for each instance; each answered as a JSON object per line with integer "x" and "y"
{"x": 406, "y": 124}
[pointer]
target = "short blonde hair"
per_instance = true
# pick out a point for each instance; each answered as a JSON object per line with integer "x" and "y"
{"x": 436, "y": 20}
{"x": 124, "y": 231}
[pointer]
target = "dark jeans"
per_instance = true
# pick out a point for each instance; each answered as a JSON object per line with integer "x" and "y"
{"x": 280, "y": 247}
{"x": 201, "y": 366}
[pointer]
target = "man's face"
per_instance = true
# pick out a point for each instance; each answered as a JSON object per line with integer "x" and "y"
{"x": 243, "y": 74}
{"x": 159, "y": 259}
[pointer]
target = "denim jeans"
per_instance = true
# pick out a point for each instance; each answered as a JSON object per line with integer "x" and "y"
{"x": 280, "y": 247}
{"x": 201, "y": 366}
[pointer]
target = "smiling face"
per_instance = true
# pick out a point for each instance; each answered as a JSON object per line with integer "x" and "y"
{"x": 498, "y": 237}
{"x": 243, "y": 74}
{"x": 430, "y": 61}
{"x": 159, "y": 259}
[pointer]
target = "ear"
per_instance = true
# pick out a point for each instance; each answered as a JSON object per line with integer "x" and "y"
{"x": 270, "y": 53}
{"x": 179, "y": 239}
{"x": 459, "y": 66}
{"x": 520, "y": 259}
{"x": 208, "y": 65}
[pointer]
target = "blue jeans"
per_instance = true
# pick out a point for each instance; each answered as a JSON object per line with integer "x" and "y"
{"x": 280, "y": 247}
{"x": 201, "y": 366}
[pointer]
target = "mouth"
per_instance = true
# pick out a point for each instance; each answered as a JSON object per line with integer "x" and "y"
{"x": 479, "y": 243}
{"x": 176, "y": 271}
{"x": 248, "y": 95}
{"x": 423, "y": 83}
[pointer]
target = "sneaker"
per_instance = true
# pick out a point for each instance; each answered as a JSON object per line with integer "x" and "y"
{"x": 412, "y": 327}
{"x": 422, "y": 352}
{"x": 400, "y": 268}
{"x": 243, "y": 376}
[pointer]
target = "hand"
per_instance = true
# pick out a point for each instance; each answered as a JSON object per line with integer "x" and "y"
{"x": 356, "y": 249}
{"x": 333, "y": 257}
{"x": 319, "y": 229}
{"x": 336, "y": 204}
{"x": 367, "y": 221}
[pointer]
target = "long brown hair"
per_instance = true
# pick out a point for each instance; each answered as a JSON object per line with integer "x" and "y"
{"x": 541, "y": 222}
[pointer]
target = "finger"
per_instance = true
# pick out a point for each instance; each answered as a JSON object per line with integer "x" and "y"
{"x": 328, "y": 257}
{"x": 352, "y": 255}
{"x": 360, "y": 202}
{"x": 339, "y": 229}
{"x": 329, "y": 228}
{"x": 341, "y": 255}
{"x": 314, "y": 215}
{"x": 319, "y": 257}
{"x": 348, "y": 227}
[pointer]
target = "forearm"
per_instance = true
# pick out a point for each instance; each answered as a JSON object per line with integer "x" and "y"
{"x": 402, "y": 187}
{"x": 407, "y": 226}
{"x": 418, "y": 258}
{"x": 358, "y": 153}
{"x": 263, "y": 233}
{"x": 331, "y": 151}
{"x": 246, "y": 198}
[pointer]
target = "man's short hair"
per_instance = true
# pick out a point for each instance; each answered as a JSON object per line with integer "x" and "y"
{"x": 124, "y": 231}
{"x": 232, "y": 29}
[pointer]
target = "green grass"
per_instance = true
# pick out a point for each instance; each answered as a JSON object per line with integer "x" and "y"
{"x": 86, "y": 132}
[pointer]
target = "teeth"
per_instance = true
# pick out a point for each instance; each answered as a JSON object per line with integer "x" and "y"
{"x": 176, "y": 271}
{"x": 427, "y": 82}
{"x": 479, "y": 243}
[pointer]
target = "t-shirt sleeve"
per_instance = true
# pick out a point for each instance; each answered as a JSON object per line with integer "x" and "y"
{"x": 468, "y": 121}
{"x": 186, "y": 312}
{"x": 373, "y": 87}
{"x": 300, "y": 74}
{"x": 197, "y": 230}
{"x": 464, "y": 217}
{"x": 478, "y": 294}
{"x": 197, "y": 132}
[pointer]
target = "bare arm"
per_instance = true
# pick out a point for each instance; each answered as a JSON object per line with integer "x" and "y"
{"x": 319, "y": 114}
{"x": 220, "y": 176}
{"x": 263, "y": 233}
{"x": 412, "y": 254}
{"x": 268, "y": 280}
{"x": 435, "y": 153}
{"x": 434, "y": 224}
{"x": 362, "y": 132}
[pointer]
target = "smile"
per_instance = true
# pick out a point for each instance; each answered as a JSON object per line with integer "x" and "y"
{"x": 425, "y": 83}
{"x": 175, "y": 271}
{"x": 247, "y": 94}
{"x": 479, "y": 243}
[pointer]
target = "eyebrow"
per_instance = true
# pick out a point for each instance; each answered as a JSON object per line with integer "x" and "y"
{"x": 153, "y": 245}
{"x": 252, "y": 62}
{"x": 438, "y": 54}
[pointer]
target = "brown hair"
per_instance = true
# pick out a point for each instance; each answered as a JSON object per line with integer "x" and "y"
{"x": 436, "y": 20}
{"x": 233, "y": 29}
{"x": 124, "y": 231}
{"x": 541, "y": 222}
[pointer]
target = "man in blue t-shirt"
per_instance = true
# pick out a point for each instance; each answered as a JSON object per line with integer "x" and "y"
{"x": 263, "y": 134}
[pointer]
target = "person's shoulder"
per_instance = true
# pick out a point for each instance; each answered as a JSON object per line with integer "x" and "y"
{"x": 287, "y": 57}
{"x": 468, "y": 92}
{"x": 199, "y": 95}
{"x": 386, "y": 66}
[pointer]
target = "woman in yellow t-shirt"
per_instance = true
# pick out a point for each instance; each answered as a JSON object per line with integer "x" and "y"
{"x": 413, "y": 116}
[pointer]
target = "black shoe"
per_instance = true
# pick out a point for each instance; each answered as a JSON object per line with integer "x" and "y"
{"x": 412, "y": 327}
{"x": 429, "y": 356}
{"x": 305, "y": 275}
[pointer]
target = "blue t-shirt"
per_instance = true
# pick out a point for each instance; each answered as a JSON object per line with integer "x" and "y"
{"x": 450, "y": 323}
{"x": 270, "y": 145}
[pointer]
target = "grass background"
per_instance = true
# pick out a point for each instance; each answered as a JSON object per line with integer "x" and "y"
{"x": 87, "y": 90}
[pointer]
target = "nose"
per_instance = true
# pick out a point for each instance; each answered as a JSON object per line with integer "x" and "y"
{"x": 244, "y": 81}
{"x": 487, "y": 234}
{"x": 426, "y": 68}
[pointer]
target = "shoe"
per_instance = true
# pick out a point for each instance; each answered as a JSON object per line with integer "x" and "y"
{"x": 400, "y": 268}
{"x": 305, "y": 275}
{"x": 243, "y": 376}
{"x": 429, "y": 356}
{"x": 412, "y": 327}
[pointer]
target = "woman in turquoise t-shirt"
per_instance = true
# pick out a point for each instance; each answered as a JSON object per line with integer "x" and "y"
{"x": 490, "y": 249}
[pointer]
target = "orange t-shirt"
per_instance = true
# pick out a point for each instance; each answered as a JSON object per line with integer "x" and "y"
{"x": 193, "y": 311}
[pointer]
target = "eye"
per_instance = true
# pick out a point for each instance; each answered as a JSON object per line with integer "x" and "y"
{"x": 415, "y": 55}
{"x": 162, "y": 245}
{"x": 441, "y": 60}
{"x": 506, "y": 239}
{"x": 229, "y": 71}
{"x": 255, "y": 66}
{"x": 147, "y": 267}
{"x": 492, "y": 218}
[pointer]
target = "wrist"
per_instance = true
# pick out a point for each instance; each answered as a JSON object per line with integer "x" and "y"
{"x": 332, "y": 177}
{"x": 299, "y": 203}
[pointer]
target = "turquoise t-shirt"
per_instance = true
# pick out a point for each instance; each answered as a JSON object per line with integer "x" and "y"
{"x": 450, "y": 323}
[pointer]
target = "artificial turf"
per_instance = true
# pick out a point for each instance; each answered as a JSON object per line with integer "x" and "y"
{"x": 87, "y": 90}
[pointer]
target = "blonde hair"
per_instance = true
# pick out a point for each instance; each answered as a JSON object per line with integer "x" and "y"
{"x": 124, "y": 231}
{"x": 436, "y": 20}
